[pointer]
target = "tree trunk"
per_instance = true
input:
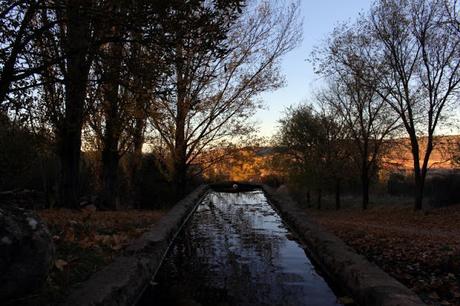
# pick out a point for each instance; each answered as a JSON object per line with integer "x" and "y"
{"x": 110, "y": 194}
{"x": 69, "y": 156}
{"x": 365, "y": 175}
{"x": 308, "y": 199}
{"x": 136, "y": 160}
{"x": 337, "y": 194}
{"x": 180, "y": 169}
{"x": 112, "y": 113}
{"x": 419, "y": 186}
{"x": 110, "y": 153}
{"x": 180, "y": 145}
{"x": 142, "y": 96}
{"x": 180, "y": 149}
{"x": 419, "y": 173}
{"x": 421, "y": 178}
{"x": 319, "y": 198}
{"x": 365, "y": 187}
{"x": 75, "y": 81}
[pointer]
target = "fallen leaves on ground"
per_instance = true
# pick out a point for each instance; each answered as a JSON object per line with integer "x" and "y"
{"x": 420, "y": 249}
{"x": 85, "y": 242}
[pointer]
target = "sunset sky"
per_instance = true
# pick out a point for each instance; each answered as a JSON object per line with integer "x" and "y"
{"x": 320, "y": 18}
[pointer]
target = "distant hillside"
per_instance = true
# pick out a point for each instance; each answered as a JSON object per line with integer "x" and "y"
{"x": 400, "y": 156}
{"x": 259, "y": 163}
{"x": 252, "y": 164}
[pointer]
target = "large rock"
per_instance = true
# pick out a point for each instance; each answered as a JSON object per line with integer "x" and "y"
{"x": 26, "y": 252}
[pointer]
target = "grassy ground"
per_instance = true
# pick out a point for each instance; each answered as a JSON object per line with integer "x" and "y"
{"x": 420, "y": 249}
{"x": 85, "y": 242}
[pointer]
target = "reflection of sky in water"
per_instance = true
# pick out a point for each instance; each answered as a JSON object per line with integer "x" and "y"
{"x": 235, "y": 250}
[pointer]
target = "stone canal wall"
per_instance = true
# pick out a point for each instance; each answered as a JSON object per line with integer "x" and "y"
{"x": 364, "y": 281}
{"x": 124, "y": 280}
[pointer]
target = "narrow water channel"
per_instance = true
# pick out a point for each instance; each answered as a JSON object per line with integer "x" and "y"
{"x": 236, "y": 250}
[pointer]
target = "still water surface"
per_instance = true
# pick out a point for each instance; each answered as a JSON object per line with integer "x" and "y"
{"x": 235, "y": 250}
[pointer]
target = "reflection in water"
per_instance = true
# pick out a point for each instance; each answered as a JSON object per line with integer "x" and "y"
{"x": 235, "y": 250}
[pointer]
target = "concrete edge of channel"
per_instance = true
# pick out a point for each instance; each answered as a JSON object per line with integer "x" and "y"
{"x": 123, "y": 281}
{"x": 363, "y": 280}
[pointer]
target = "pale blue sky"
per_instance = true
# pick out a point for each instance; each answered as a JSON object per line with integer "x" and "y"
{"x": 319, "y": 19}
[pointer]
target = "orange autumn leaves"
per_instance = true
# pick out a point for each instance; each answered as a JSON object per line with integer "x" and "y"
{"x": 104, "y": 232}
{"x": 250, "y": 164}
{"x": 422, "y": 250}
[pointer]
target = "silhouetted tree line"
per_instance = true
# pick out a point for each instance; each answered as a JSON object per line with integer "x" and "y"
{"x": 118, "y": 78}
{"x": 395, "y": 72}
{"x": 318, "y": 155}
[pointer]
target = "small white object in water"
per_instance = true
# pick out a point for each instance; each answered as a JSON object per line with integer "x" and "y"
{"x": 32, "y": 223}
{"x": 6, "y": 240}
{"x": 235, "y": 186}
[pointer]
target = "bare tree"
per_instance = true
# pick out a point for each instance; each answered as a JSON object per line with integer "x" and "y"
{"x": 335, "y": 151}
{"x": 213, "y": 89}
{"x": 421, "y": 55}
{"x": 363, "y": 113}
{"x": 19, "y": 28}
{"x": 453, "y": 11}
{"x": 16, "y": 19}
{"x": 72, "y": 40}
{"x": 123, "y": 76}
{"x": 352, "y": 95}
{"x": 85, "y": 40}
{"x": 112, "y": 105}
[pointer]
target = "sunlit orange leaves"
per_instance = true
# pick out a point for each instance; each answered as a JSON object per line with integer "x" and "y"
{"x": 245, "y": 165}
